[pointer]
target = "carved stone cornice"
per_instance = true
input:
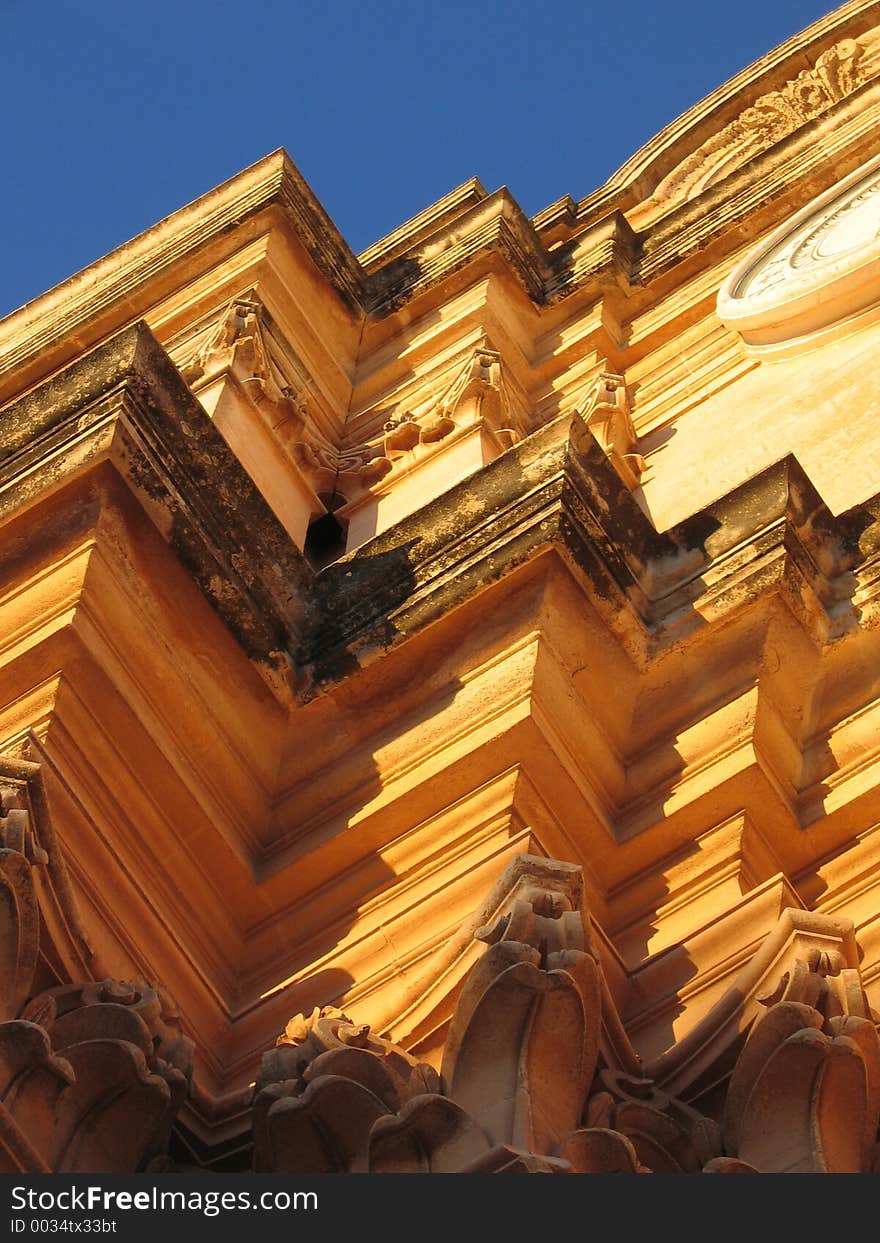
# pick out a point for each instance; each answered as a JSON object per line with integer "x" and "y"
{"x": 316, "y": 231}
{"x": 125, "y": 404}
{"x": 559, "y": 489}
{"x": 775, "y": 78}
{"x": 524, "y": 665}
{"x": 495, "y": 225}
{"x": 424, "y": 224}
{"x": 47, "y": 332}
{"x": 604, "y": 255}
{"x": 838, "y": 71}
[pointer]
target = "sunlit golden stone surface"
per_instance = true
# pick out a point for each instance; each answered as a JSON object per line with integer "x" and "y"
{"x": 457, "y": 663}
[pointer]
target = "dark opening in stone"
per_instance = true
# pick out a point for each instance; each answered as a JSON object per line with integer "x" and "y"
{"x": 327, "y": 534}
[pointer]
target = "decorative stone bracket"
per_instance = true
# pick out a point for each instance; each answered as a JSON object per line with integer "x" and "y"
{"x": 527, "y": 1084}
{"x": 240, "y": 348}
{"x": 347, "y": 471}
{"x": 476, "y": 396}
{"x": 607, "y": 415}
{"x": 91, "y": 1073}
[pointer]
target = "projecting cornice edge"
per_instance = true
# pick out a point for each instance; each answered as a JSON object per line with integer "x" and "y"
{"x": 557, "y": 491}
{"x": 125, "y": 406}
{"x": 58, "y": 325}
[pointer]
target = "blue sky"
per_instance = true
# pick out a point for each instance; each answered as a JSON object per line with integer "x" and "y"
{"x": 117, "y": 114}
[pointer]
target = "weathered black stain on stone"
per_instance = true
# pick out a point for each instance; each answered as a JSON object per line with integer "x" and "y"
{"x": 433, "y": 560}
{"x": 391, "y": 286}
{"x": 556, "y": 489}
{"x": 187, "y": 478}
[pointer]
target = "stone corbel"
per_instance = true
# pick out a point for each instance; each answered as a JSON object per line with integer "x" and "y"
{"x": 804, "y": 1096}
{"x": 239, "y": 348}
{"x": 523, "y": 1045}
{"x": 346, "y": 471}
{"x": 476, "y": 396}
{"x": 607, "y": 415}
{"x": 27, "y": 833}
{"x": 799, "y": 937}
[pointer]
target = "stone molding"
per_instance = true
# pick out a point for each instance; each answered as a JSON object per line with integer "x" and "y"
{"x": 563, "y": 250}
{"x": 528, "y": 1085}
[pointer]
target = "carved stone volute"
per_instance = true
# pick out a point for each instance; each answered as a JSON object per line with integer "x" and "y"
{"x": 91, "y": 1073}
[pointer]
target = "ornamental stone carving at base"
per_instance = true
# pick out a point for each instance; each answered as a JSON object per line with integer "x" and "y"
{"x": 526, "y": 1084}
{"x": 91, "y": 1073}
{"x": 537, "y": 1074}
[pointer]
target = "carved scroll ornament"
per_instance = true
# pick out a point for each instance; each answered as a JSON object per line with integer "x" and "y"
{"x": 607, "y": 414}
{"x": 528, "y": 1085}
{"x": 91, "y": 1074}
{"x": 240, "y": 346}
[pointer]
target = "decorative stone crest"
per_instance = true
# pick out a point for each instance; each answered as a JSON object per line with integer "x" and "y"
{"x": 837, "y": 73}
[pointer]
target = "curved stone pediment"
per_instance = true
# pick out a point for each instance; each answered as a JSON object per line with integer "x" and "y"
{"x": 792, "y": 86}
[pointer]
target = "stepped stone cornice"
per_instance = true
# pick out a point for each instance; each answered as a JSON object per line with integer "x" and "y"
{"x": 125, "y": 403}
{"x": 608, "y": 240}
{"x": 460, "y": 659}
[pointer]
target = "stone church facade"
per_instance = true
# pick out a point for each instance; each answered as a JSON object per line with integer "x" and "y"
{"x": 439, "y": 689}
